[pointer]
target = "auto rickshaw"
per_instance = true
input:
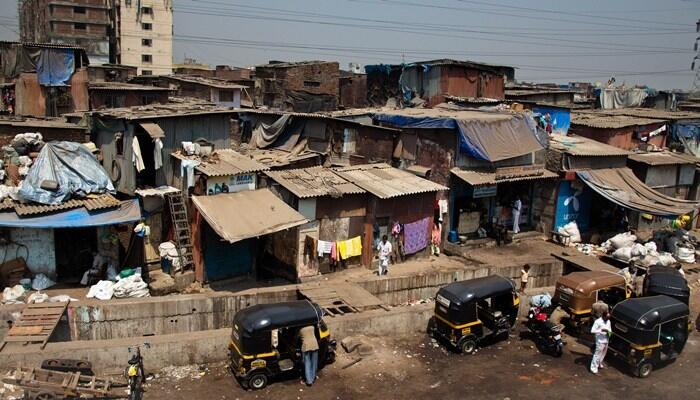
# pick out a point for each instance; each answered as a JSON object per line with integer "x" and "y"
{"x": 576, "y": 292}
{"x": 265, "y": 340}
{"x": 666, "y": 281}
{"x": 468, "y": 313}
{"x": 649, "y": 330}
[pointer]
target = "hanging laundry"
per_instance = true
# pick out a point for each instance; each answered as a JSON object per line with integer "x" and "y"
{"x": 443, "y": 208}
{"x": 334, "y": 251}
{"x": 187, "y": 171}
{"x": 136, "y": 155}
{"x": 324, "y": 247}
{"x": 157, "y": 153}
{"x": 416, "y": 236}
{"x": 350, "y": 248}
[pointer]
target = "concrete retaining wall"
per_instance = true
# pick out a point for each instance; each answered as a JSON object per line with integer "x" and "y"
{"x": 134, "y": 318}
{"x": 110, "y": 356}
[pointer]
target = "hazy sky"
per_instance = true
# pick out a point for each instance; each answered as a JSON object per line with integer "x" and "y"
{"x": 637, "y": 41}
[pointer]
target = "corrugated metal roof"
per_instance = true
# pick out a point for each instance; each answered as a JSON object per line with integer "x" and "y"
{"x": 331, "y": 116}
{"x": 126, "y": 87}
{"x": 606, "y": 121}
{"x": 44, "y": 45}
{"x": 664, "y": 158}
{"x": 653, "y": 113}
{"x": 91, "y": 203}
{"x": 227, "y": 162}
{"x": 153, "y": 111}
{"x": 478, "y": 178}
{"x": 275, "y": 158}
{"x": 212, "y": 82}
{"x": 385, "y": 182}
{"x": 314, "y": 182}
{"x": 583, "y": 147}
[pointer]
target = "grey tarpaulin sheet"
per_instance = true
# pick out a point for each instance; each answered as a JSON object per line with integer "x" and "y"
{"x": 622, "y": 187}
{"x": 264, "y": 135}
{"x": 16, "y": 59}
{"x": 72, "y": 166}
{"x": 622, "y": 98}
{"x": 497, "y": 140}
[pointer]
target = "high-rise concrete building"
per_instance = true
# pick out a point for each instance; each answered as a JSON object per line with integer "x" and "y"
{"x": 144, "y": 35}
{"x": 85, "y": 23}
{"x": 138, "y": 33}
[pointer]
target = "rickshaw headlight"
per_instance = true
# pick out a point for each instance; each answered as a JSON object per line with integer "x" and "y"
{"x": 633, "y": 352}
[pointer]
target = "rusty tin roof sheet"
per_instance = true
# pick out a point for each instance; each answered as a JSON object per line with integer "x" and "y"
{"x": 664, "y": 158}
{"x": 314, "y": 182}
{"x": 385, "y": 182}
{"x": 91, "y": 203}
{"x": 607, "y": 121}
{"x": 584, "y": 147}
{"x": 479, "y": 178}
{"x": 227, "y": 162}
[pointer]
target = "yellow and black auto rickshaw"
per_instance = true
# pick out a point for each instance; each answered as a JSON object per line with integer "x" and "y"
{"x": 667, "y": 281}
{"x": 265, "y": 340}
{"x": 576, "y": 292}
{"x": 649, "y": 330}
{"x": 468, "y": 313}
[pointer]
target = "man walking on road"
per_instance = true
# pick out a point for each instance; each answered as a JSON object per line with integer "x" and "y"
{"x": 601, "y": 330}
{"x": 385, "y": 250}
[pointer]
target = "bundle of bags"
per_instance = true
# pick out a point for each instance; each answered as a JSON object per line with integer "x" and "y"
{"x": 125, "y": 287}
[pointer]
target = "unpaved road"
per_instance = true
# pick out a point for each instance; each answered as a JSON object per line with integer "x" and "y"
{"x": 413, "y": 368}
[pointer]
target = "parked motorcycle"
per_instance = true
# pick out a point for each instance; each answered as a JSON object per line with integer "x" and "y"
{"x": 545, "y": 333}
{"x": 135, "y": 374}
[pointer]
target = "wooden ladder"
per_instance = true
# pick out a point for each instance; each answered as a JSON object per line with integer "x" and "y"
{"x": 181, "y": 228}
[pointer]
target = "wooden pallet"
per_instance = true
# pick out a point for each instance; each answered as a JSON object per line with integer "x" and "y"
{"x": 64, "y": 384}
{"x": 36, "y": 324}
{"x": 342, "y": 299}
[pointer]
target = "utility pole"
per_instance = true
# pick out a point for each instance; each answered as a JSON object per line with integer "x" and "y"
{"x": 695, "y": 65}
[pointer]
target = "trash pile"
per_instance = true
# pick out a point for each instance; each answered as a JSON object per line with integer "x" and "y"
{"x": 128, "y": 285}
{"x": 665, "y": 248}
{"x": 18, "y": 294}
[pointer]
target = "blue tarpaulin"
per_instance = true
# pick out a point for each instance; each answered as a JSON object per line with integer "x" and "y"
{"x": 560, "y": 118}
{"x": 128, "y": 212}
{"x": 55, "y": 66}
{"x": 688, "y": 133}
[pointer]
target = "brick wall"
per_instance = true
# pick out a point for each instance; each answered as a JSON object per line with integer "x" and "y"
{"x": 353, "y": 91}
{"x": 314, "y": 78}
{"x": 7, "y": 133}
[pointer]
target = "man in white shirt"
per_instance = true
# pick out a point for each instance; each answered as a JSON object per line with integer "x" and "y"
{"x": 384, "y": 248}
{"x": 601, "y": 330}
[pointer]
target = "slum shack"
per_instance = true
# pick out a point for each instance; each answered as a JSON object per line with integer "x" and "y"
{"x": 307, "y": 86}
{"x": 349, "y": 209}
{"x": 119, "y": 94}
{"x": 217, "y": 91}
{"x": 334, "y": 141}
{"x": 488, "y": 159}
{"x": 599, "y": 194}
{"x": 430, "y": 81}
{"x": 336, "y": 210}
{"x": 232, "y": 231}
{"x": 135, "y": 141}
{"x": 62, "y": 224}
{"x": 623, "y": 131}
{"x": 43, "y": 80}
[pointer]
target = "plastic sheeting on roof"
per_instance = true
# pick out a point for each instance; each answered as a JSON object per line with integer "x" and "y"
{"x": 128, "y": 212}
{"x": 72, "y": 166}
{"x": 489, "y": 140}
{"x": 55, "y": 66}
{"x": 622, "y": 187}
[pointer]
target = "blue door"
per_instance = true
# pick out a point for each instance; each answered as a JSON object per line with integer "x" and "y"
{"x": 223, "y": 260}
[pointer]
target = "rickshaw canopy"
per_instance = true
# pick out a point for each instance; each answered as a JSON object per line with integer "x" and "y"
{"x": 474, "y": 289}
{"x": 645, "y": 313}
{"x": 584, "y": 283}
{"x": 667, "y": 281}
{"x": 265, "y": 317}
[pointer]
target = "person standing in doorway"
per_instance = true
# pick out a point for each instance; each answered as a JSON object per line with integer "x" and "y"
{"x": 601, "y": 330}
{"x": 385, "y": 250}
{"x": 309, "y": 350}
{"x": 524, "y": 276}
{"x": 517, "y": 206}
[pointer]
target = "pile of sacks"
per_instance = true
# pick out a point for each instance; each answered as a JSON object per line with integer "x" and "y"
{"x": 17, "y": 156}
{"x": 626, "y": 247}
{"x": 127, "y": 287}
{"x": 571, "y": 229}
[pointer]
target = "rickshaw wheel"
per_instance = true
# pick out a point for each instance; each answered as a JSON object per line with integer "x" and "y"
{"x": 257, "y": 381}
{"x": 467, "y": 346}
{"x": 431, "y": 326}
{"x": 644, "y": 369}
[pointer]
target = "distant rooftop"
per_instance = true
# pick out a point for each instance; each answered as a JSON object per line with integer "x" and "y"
{"x": 604, "y": 120}
{"x": 583, "y": 147}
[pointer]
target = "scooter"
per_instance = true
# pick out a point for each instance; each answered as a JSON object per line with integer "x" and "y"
{"x": 135, "y": 374}
{"x": 546, "y": 334}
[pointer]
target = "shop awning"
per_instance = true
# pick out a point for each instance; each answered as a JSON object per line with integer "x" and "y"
{"x": 480, "y": 178}
{"x": 127, "y": 212}
{"x": 247, "y": 214}
{"x": 622, "y": 187}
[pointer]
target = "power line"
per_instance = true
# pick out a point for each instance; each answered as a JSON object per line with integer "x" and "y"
{"x": 548, "y": 43}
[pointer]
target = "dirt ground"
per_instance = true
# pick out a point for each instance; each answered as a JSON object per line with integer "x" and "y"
{"x": 416, "y": 367}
